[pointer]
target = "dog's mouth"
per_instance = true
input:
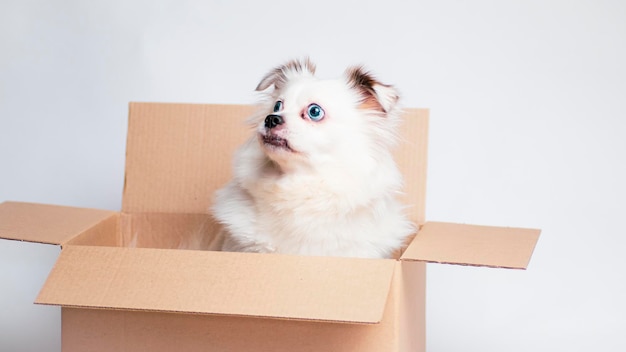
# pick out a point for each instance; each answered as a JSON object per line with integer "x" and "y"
{"x": 275, "y": 142}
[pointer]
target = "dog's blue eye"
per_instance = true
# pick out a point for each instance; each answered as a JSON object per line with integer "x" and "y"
{"x": 315, "y": 112}
{"x": 278, "y": 106}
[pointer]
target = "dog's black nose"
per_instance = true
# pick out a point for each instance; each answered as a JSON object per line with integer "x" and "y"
{"x": 272, "y": 121}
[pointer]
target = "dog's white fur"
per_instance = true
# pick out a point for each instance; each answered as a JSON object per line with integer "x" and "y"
{"x": 331, "y": 191}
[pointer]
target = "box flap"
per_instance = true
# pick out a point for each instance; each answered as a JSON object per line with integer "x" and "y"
{"x": 501, "y": 247}
{"x": 178, "y": 154}
{"x": 50, "y": 224}
{"x": 411, "y": 157}
{"x": 205, "y": 282}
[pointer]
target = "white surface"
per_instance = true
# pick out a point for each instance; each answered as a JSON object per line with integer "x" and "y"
{"x": 527, "y": 129}
{"x": 23, "y": 325}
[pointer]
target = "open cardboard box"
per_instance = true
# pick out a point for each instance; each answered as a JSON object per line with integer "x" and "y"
{"x": 122, "y": 286}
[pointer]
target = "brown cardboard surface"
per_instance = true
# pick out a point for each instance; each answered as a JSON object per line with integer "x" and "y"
{"x": 112, "y": 330}
{"x": 410, "y": 285}
{"x": 179, "y": 154}
{"x": 104, "y": 233}
{"x": 51, "y": 224}
{"x": 170, "y": 231}
{"x": 502, "y": 247}
{"x": 411, "y": 157}
{"x": 205, "y": 282}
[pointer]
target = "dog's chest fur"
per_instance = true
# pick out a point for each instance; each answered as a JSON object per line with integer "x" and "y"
{"x": 308, "y": 214}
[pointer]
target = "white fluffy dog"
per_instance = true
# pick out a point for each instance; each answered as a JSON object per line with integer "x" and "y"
{"x": 317, "y": 177}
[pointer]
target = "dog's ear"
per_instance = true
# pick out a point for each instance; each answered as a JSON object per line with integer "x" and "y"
{"x": 279, "y": 75}
{"x": 375, "y": 95}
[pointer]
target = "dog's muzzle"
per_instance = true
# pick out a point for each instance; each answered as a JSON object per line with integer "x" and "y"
{"x": 272, "y": 121}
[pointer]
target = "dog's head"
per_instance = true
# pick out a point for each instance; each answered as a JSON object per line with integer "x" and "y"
{"x": 312, "y": 124}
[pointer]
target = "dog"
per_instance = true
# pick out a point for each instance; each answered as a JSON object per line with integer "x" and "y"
{"x": 317, "y": 177}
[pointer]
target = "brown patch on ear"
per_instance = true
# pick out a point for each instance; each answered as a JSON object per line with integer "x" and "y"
{"x": 366, "y": 84}
{"x": 278, "y": 76}
{"x": 370, "y": 104}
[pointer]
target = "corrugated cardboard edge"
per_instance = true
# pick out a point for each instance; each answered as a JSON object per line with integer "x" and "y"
{"x": 462, "y": 244}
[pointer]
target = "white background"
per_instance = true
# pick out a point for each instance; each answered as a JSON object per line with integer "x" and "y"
{"x": 527, "y": 104}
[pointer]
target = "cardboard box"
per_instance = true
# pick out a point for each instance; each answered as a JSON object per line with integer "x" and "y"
{"x": 122, "y": 287}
